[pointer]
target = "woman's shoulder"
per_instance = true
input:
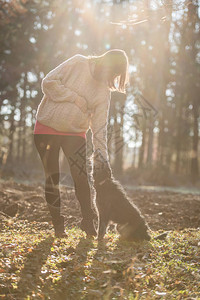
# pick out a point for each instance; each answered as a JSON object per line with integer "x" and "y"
{"x": 77, "y": 58}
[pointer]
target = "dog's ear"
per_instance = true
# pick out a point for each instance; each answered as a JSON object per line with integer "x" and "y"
{"x": 141, "y": 232}
{"x": 129, "y": 233}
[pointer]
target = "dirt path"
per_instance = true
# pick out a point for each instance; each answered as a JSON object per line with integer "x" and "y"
{"x": 163, "y": 210}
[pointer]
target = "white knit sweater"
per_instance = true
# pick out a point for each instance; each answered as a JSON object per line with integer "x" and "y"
{"x": 73, "y": 101}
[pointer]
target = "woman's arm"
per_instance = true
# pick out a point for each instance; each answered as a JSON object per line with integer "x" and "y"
{"x": 99, "y": 122}
{"x": 53, "y": 87}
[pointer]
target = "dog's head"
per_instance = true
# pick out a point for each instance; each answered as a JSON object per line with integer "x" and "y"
{"x": 130, "y": 233}
{"x": 102, "y": 170}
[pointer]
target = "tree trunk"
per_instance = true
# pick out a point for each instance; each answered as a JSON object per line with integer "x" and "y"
{"x": 24, "y": 144}
{"x": 150, "y": 140}
{"x": 194, "y": 156}
{"x": 142, "y": 148}
{"x": 178, "y": 137}
{"x": 135, "y": 149}
{"x": 21, "y": 147}
{"x": 11, "y": 133}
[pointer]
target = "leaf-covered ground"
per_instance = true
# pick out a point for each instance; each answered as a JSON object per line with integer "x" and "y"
{"x": 35, "y": 265}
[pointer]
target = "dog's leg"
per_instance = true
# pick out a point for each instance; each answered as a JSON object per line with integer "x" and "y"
{"x": 103, "y": 223}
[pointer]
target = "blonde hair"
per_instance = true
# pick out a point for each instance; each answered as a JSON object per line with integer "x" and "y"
{"x": 113, "y": 65}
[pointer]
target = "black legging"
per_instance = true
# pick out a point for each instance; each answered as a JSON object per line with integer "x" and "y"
{"x": 74, "y": 148}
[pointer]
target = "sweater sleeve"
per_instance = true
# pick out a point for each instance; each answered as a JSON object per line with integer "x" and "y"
{"x": 53, "y": 87}
{"x": 99, "y": 122}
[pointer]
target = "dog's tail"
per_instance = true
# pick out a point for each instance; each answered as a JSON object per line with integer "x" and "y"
{"x": 161, "y": 236}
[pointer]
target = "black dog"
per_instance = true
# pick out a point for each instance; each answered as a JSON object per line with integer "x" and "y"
{"x": 114, "y": 205}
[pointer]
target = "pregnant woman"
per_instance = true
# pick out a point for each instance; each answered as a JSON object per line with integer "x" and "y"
{"x": 76, "y": 98}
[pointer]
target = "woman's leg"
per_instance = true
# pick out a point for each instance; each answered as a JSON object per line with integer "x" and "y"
{"x": 74, "y": 148}
{"x": 48, "y": 147}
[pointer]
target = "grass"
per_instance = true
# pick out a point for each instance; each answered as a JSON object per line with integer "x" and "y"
{"x": 34, "y": 265}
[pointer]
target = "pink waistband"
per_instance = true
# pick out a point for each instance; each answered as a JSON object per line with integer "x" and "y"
{"x": 43, "y": 129}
